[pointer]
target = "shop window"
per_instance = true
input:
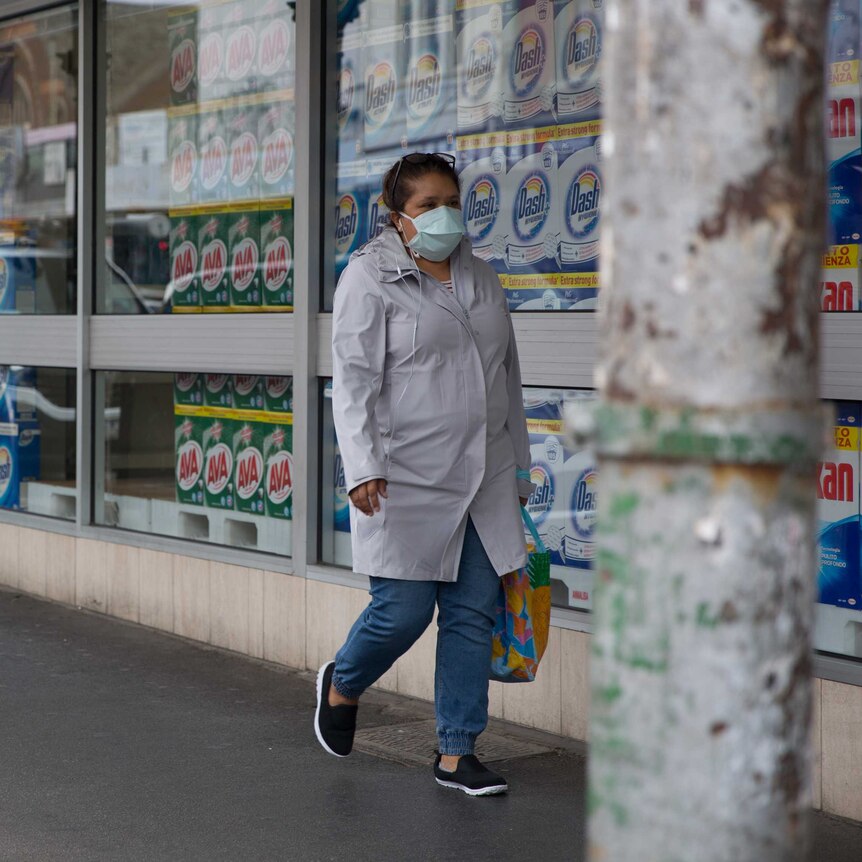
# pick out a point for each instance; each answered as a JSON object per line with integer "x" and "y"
{"x": 512, "y": 90}
{"x": 205, "y": 457}
{"x": 37, "y": 440}
{"x": 200, "y": 157}
{"x": 38, "y": 153}
{"x": 563, "y": 506}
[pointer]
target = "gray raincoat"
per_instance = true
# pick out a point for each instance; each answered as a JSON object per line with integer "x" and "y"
{"x": 437, "y": 412}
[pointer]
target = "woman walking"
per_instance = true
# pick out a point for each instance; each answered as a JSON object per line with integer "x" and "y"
{"x": 430, "y": 422}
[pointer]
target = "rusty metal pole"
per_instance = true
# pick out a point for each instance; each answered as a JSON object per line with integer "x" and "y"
{"x": 708, "y": 430}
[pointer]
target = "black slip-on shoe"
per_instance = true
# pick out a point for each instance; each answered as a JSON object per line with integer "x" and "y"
{"x": 334, "y": 725}
{"x": 471, "y": 777}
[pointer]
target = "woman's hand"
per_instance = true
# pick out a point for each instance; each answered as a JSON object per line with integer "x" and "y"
{"x": 365, "y": 496}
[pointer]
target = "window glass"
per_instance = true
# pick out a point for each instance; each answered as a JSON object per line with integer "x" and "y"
{"x": 37, "y": 440}
{"x": 38, "y": 156}
{"x": 839, "y": 610}
{"x": 512, "y": 89}
{"x": 563, "y": 506}
{"x": 200, "y": 157}
{"x": 200, "y": 456}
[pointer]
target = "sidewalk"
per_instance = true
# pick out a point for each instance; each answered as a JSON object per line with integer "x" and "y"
{"x": 124, "y": 744}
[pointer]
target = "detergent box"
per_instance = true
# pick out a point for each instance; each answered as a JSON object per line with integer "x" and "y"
{"x": 276, "y": 251}
{"x": 183, "y": 250}
{"x": 376, "y": 211}
{"x": 241, "y": 128}
{"x": 350, "y": 100}
{"x": 430, "y": 84}
{"x": 482, "y": 169}
{"x": 183, "y": 48}
{"x": 248, "y": 470}
{"x": 211, "y": 81}
{"x": 188, "y": 437}
{"x": 838, "y": 512}
{"x": 276, "y": 46}
{"x": 481, "y": 65}
{"x": 278, "y": 394}
{"x": 384, "y": 65}
{"x": 276, "y": 121}
{"x": 240, "y": 36}
{"x": 341, "y": 511}
{"x": 212, "y": 236}
{"x": 249, "y": 392}
{"x": 530, "y": 72}
{"x": 839, "y": 284}
{"x": 17, "y": 278}
{"x": 218, "y": 391}
{"x": 578, "y": 27}
{"x": 183, "y": 155}
{"x": 213, "y": 182}
{"x": 244, "y": 274}
{"x": 217, "y": 445}
{"x": 188, "y": 389}
{"x": 350, "y": 215}
{"x": 278, "y": 466}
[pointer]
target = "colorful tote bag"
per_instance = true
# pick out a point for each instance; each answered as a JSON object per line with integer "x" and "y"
{"x": 523, "y": 615}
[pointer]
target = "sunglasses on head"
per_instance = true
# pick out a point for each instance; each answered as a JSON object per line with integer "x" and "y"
{"x": 421, "y": 159}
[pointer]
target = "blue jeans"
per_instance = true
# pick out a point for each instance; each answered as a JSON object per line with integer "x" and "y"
{"x": 398, "y": 614}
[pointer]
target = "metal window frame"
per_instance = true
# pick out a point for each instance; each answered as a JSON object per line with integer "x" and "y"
{"x": 557, "y": 349}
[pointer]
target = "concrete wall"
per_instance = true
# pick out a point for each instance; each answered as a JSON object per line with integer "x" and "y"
{"x": 301, "y": 622}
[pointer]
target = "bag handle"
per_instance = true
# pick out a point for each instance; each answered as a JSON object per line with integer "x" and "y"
{"x": 528, "y": 523}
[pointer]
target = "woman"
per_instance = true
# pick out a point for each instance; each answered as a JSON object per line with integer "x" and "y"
{"x": 430, "y": 421}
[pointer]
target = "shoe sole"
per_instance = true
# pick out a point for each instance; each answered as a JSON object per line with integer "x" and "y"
{"x": 493, "y": 790}
{"x": 317, "y": 732}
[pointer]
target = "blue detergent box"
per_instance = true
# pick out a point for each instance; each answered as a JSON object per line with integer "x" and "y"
{"x": 838, "y": 513}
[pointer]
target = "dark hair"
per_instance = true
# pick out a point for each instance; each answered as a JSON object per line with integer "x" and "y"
{"x": 395, "y": 194}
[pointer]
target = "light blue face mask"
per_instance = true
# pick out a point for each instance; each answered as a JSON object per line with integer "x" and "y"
{"x": 438, "y": 232}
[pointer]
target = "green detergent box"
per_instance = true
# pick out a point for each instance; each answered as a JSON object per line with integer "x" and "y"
{"x": 278, "y": 464}
{"x": 188, "y": 389}
{"x": 217, "y": 444}
{"x": 249, "y": 392}
{"x": 244, "y": 277}
{"x": 189, "y": 458}
{"x": 248, "y": 470}
{"x": 183, "y": 249}
{"x": 183, "y": 48}
{"x": 212, "y": 233}
{"x": 276, "y": 248}
{"x": 218, "y": 391}
{"x": 279, "y": 394}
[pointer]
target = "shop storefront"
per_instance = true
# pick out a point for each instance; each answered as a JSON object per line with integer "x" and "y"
{"x": 180, "y": 187}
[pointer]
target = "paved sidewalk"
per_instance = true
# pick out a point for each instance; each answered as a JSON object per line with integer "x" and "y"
{"x": 124, "y": 744}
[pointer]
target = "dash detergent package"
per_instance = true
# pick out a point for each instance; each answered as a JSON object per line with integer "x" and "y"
{"x": 212, "y": 230}
{"x": 482, "y": 169}
{"x": 276, "y": 253}
{"x": 579, "y": 28}
{"x": 430, "y": 86}
{"x": 351, "y": 94}
{"x": 563, "y": 504}
{"x": 384, "y": 64}
{"x": 839, "y": 284}
{"x": 244, "y": 273}
{"x": 530, "y": 79}
{"x": 481, "y": 65}
{"x": 341, "y": 509}
{"x": 275, "y": 130}
{"x": 20, "y": 437}
{"x": 217, "y": 445}
{"x": 838, "y": 513}
{"x": 532, "y": 192}
{"x": 350, "y": 211}
{"x": 183, "y": 250}
{"x": 376, "y": 211}
{"x": 189, "y": 459}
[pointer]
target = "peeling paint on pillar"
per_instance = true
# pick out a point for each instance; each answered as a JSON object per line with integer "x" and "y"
{"x": 707, "y": 431}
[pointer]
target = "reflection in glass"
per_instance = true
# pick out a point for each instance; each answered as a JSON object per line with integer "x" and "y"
{"x": 37, "y": 440}
{"x": 200, "y": 456}
{"x": 38, "y": 154}
{"x": 200, "y": 168}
